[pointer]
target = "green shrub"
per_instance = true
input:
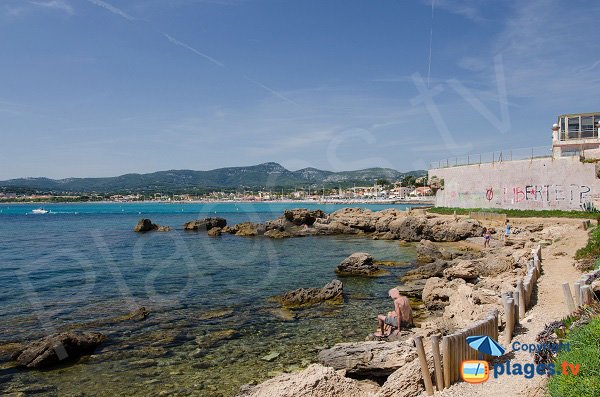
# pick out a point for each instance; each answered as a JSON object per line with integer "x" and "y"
{"x": 585, "y": 350}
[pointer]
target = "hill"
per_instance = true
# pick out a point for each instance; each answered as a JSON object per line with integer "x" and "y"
{"x": 261, "y": 176}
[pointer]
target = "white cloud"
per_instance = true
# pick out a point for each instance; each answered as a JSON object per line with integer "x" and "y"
{"x": 59, "y": 5}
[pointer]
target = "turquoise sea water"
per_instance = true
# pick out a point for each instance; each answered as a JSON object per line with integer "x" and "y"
{"x": 211, "y": 322}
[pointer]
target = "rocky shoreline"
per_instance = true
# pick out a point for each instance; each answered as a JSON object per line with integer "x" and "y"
{"x": 458, "y": 282}
{"x": 454, "y": 278}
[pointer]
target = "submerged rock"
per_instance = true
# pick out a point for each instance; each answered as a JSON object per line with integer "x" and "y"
{"x": 205, "y": 224}
{"x": 53, "y": 349}
{"x": 331, "y": 292}
{"x": 359, "y": 264}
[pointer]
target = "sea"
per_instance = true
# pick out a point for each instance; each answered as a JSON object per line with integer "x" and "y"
{"x": 212, "y": 325}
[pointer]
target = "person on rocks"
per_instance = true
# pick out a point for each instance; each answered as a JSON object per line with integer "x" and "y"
{"x": 487, "y": 236}
{"x": 401, "y": 316}
{"x": 507, "y": 230}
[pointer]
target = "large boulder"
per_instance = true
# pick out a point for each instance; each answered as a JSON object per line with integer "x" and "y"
{"x": 303, "y": 216}
{"x": 314, "y": 381}
{"x": 145, "y": 225}
{"x": 437, "y": 292}
{"x": 368, "y": 359}
{"x": 205, "y": 224}
{"x": 434, "y": 269}
{"x": 331, "y": 293}
{"x": 358, "y": 264}
{"x": 53, "y": 349}
{"x": 462, "y": 269}
{"x": 412, "y": 289}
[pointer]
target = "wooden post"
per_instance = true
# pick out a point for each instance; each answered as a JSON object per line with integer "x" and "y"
{"x": 446, "y": 352}
{"x": 516, "y": 298}
{"x": 437, "y": 362}
{"x": 568, "y": 297}
{"x": 587, "y": 295}
{"x": 521, "y": 292}
{"x": 577, "y": 290}
{"x": 508, "y": 319}
{"x": 424, "y": 366}
{"x": 455, "y": 363}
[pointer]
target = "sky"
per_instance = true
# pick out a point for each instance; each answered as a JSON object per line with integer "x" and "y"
{"x": 103, "y": 88}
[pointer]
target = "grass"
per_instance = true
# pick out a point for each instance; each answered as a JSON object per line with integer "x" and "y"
{"x": 591, "y": 252}
{"x": 585, "y": 350}
{"x": 518, "y": 213}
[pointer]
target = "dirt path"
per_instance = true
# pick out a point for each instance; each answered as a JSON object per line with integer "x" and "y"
{"x": 557, "y": 268}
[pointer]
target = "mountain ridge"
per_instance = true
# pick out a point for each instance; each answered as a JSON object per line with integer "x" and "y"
{"x": 260, "y": 176}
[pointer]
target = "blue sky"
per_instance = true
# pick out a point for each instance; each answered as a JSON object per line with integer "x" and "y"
{"x": 102, "y": 88}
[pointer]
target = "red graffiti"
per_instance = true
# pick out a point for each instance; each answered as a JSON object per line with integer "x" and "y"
{"x": 489, "y": 194}
{"x": 519, "y": 194}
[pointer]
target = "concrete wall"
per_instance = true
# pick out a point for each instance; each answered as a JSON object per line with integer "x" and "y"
{"x": 546, "y": 183}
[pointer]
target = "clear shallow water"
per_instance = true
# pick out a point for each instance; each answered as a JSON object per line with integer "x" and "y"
{"x": 211, "y": 319}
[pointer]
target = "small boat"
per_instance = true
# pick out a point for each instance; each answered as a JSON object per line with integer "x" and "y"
{"x": 39, "y": 211}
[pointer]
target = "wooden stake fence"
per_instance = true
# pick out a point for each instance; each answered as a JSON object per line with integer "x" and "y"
{"x": 454, "y": 347}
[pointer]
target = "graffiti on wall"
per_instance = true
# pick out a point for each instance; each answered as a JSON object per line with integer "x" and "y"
{"x": 530, "y": 194}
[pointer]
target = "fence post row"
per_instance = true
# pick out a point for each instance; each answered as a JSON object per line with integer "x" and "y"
{"x": 454, "y": 347}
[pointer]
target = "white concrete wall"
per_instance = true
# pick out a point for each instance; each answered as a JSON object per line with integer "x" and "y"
{"x": 547, "y": 183}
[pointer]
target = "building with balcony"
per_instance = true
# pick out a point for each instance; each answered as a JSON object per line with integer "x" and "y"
{"x": 574, "y": 134}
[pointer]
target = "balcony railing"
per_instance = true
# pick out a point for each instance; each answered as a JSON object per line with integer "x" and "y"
{"x": 494, "y": 157}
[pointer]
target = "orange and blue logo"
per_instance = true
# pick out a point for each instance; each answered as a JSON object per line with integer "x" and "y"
{"x": 475, "y": 371}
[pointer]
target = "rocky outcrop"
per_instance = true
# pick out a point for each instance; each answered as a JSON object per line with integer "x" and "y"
{"x": 303, "y": 216}
{"x": 462, "y": 269}
{"x": 247, "y": 229}
{"x": 145, "y": 225}
{"x": 51, "y": 350}
{"x": 427, "y": 252}
{"x": 331, "y": 293}
{"x": 205, "y": 224}
{"x": 314, "y": 381}
{"x": 368, "y": 359}
{"x": 412, "y": 289}
{"x": 358, "y": 264}
{"x": 214, "y": 232}
{"x": 437, "y": 292}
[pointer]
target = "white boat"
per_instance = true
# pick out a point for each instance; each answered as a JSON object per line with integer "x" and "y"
{"x": 39, "y": 211}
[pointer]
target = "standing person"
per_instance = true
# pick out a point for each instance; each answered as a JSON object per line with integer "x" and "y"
{"x": 487, "y": 236}
{"x": 507, "y": 230}
{"x": 401, "y": 316}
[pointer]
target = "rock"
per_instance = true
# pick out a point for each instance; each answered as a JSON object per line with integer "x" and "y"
{"x": 368, "y": 359}
{"x": 247, "y": 229}
{"x": 535, "y": 228}
{"x": 435, "y": 269}
{"x": 463, "y": 269}
{"x": 331, "y": 293}
{"x": 10, "y": 350}
{"x": 359, "y": 264}
{"x": 427, "y": 252}
{"x": 51, "y": 350}
{"x": 303, "y": 216}
{"x": 406, "y": 381}
{"x": 596, "y": 287}
{"x": 271, "y": 356}
{"x": 214, "y": 232}
{"x": 215, "y": 338}
{"x": 205, "y": 224}
{"x": 437, "y": 292}
{"x": 413, "y": 289}
{"x": 138, "y": 314}
{"x": 145, "y": 225}
{"x": 274, "y": 233}
{"x": 143, "y": 363}
{"x": 314, "y": 381}
{"x": 164, "y": 229}
{"x": 216, "y": 313}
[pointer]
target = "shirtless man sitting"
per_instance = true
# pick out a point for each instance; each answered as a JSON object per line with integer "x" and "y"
{"x": 402, "y": 315}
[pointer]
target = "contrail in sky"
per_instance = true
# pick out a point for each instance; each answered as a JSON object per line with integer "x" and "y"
{"x": 112, "y": 9}
{"x": 192, "y": 49}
